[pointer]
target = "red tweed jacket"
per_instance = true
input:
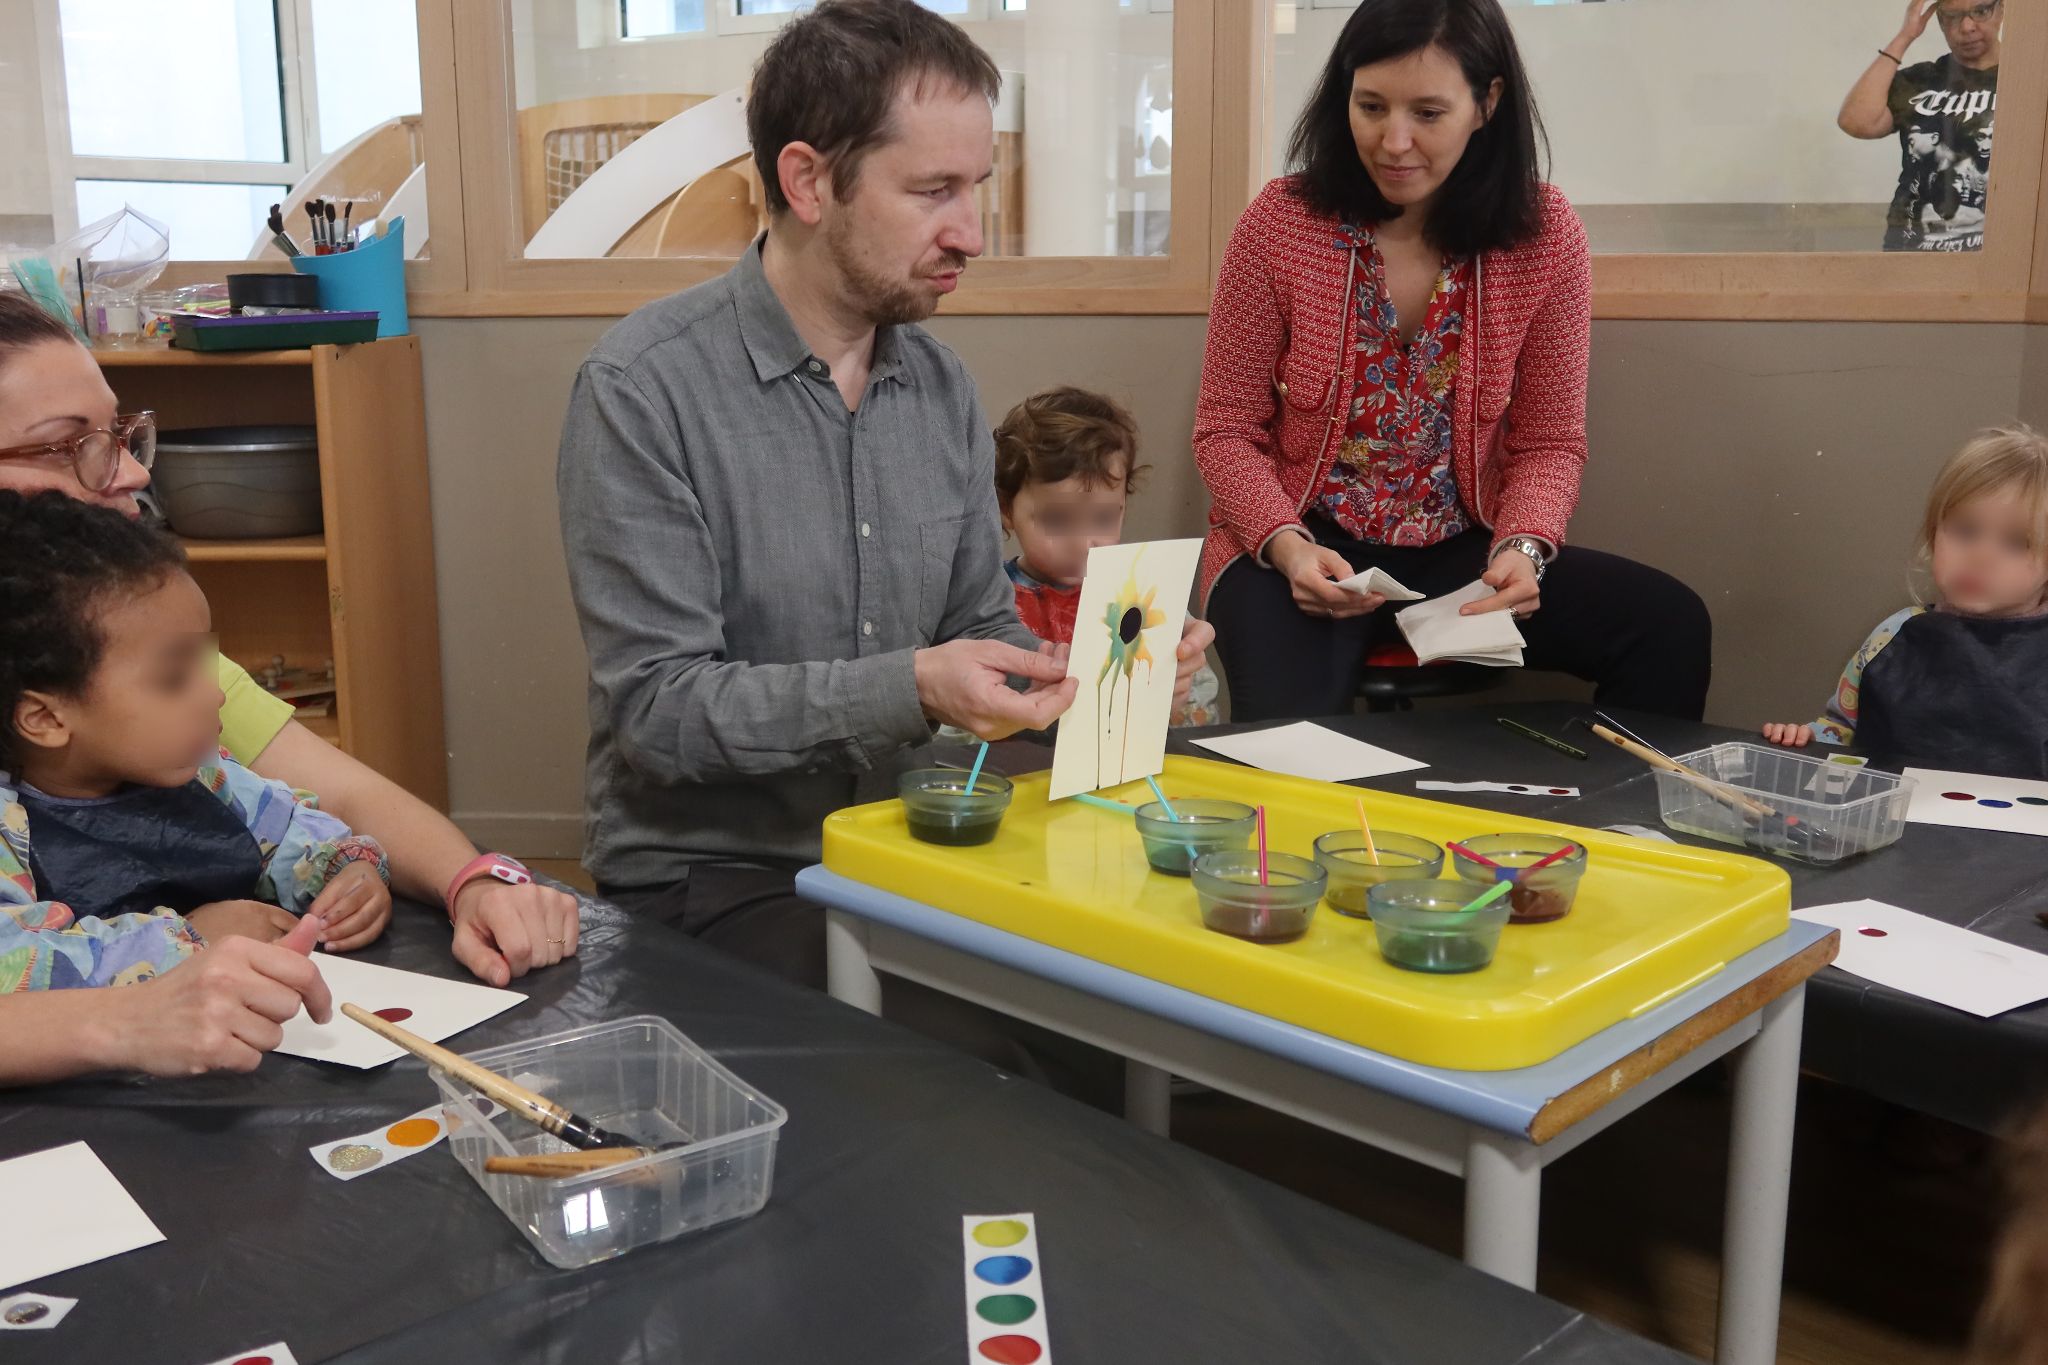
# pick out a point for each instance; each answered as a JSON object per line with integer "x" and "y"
{"x": 1277, "y": 375}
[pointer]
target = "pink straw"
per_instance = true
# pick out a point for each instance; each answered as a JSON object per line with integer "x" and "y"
{"x": 1262, "y": 845}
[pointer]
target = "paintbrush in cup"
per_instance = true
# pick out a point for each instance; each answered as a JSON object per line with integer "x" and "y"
{"x": 538, "y": 1110}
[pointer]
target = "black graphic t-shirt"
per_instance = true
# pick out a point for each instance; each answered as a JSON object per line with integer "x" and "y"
{"x": 1943, "y": 111}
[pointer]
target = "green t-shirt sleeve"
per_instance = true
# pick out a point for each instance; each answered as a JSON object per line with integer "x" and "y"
{"x": 250, "y": 717}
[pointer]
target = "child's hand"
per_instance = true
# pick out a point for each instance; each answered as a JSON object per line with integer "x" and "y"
{"x": 357, "y": 906}
{"x": 241, "y": 919}
{"x": 1791, "y": 736}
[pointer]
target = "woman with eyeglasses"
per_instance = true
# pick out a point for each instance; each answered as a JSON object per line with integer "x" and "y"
{"x": 1941, "y": 112}
{"x": 61, "y": 428}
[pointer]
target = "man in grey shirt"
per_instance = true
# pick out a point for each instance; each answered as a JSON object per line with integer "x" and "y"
{"x": 778, "y": 500}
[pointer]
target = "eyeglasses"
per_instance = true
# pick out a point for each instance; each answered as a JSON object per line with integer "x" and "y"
{"x": 1977, "y": 14}
{"x": 95, "y": 456}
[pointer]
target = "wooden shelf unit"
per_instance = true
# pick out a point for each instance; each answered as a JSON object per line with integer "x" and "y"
{"x": 360, "y": 593}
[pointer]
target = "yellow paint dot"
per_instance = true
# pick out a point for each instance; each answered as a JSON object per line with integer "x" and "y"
{"x": 412, "y": 1132}
{"x": 1001, "y": 1232}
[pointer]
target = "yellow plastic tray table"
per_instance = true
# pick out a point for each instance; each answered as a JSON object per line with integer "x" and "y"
{"x": 1650, "y": 919}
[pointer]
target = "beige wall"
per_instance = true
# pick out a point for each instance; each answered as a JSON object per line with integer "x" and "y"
{"x": 1777, "y": 467}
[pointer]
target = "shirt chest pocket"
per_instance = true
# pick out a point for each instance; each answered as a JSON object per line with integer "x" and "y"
{"x": 1305, "y": 378}
{"x": 939, "y": 542}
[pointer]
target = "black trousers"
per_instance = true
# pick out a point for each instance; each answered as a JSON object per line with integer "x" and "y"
{"x": 755, "y": 913}
{"x": 1641, "y": 637}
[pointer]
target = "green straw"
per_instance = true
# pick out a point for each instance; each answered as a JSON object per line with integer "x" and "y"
{"x": 974, "y": 773}
{"x": 1486, "y": 897}
{"x": 1164, "y": 804}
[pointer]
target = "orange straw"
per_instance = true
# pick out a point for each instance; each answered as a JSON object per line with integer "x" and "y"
{"x": 1365, "y": 828}
{"x": 1262, "y": 845}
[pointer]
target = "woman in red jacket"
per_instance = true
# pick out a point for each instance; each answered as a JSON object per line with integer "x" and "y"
{"x": 1396, "y": 377}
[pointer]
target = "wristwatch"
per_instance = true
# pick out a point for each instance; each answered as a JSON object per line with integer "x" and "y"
{"x": 510, "y": 871}
{"x": 1538, "y": 553}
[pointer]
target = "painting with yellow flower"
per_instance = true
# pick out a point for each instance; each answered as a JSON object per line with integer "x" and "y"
{"x": 1128, "y": 622}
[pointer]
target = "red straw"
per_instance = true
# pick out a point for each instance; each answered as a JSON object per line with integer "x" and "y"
{"x": 1547, "y": 859}
{"x": 1464, "y": 852}
{"x": 1262, "y": 846}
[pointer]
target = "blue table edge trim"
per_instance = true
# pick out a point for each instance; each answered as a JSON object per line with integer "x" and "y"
{"x": 1506, "y": 1101}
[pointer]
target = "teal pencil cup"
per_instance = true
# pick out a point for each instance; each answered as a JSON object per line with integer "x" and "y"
{"x": 370, "y": 279}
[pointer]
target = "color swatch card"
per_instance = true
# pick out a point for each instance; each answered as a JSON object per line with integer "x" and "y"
{"x": 1935, "y": 961}
{"x": 1974, "y": 801}
{"x": 346, "y": 1158}
{"x": 276, "y": 1353}
{"x": 1504, "y": 788}
{"x": 1127, "y": 626}
{"x": 1435, "y": 630}
{"x": 1381, "y": 582}
{"x": 1005, "y": 1290}
{"x": 1305, "y": 749}
{"x": 431, "y": 1006}
{"x": 33, "y": 1312}
{"x": 65, "y": 1209}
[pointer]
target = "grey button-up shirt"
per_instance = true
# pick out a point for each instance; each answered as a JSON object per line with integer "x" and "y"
{"x": 752, "y": 566}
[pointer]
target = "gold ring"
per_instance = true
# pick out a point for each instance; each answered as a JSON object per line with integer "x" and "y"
{"x": 557, "y": 942}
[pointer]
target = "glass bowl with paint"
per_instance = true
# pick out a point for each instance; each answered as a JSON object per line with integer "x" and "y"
{"x": 1356, "y": 867}
{"x": 1818, "y": 810}
{"x": 940, "y": 810}
{"x": 1204, "y": 826}
{"x": 1539, "y": 896}
{"x": 1424, "y": 927}
{"x": 712, "y": 1137}
{"x": 1234, "y": 901}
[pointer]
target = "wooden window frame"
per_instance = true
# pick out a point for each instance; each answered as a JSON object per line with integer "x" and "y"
{"x": 476, "y": 269}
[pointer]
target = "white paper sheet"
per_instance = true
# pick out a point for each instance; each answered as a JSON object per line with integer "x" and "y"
{"x": 65, "y": 1209}
{"x": 1935, "y": 961}
{"x": 1381, "y": 582}
{"x": 1127, "y": 626}
{"x": 1435, "y": 630}
{"x": 1505, "y": 788}
{"x": 438, "y": 1008}
{"x": 1945, "y": 798}
{"x": 1306, "y": 749}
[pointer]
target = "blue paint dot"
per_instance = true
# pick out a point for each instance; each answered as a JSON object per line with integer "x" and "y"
{"x": 1995, "y": 805}
{"x": 1002, "y": 1269}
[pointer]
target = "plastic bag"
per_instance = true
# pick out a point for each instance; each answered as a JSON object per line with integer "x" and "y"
{"x": 109, "y": 262}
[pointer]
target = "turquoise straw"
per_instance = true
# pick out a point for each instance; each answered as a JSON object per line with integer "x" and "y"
{"x": 1103, "y": 802}
{"x": 1167, "y": 806}
{"x": 974, "y": 773}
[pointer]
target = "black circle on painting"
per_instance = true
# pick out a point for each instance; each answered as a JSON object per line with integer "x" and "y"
{"x": 1128, "y": 628}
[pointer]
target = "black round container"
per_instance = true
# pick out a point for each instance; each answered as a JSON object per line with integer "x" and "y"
{"x": 273, "y": 291}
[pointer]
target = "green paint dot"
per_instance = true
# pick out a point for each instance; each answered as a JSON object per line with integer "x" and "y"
{"x": 1000, "y": 1232}
{"x": 1006, "y": 1310}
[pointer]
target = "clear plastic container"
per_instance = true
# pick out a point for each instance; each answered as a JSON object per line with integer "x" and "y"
{"x": 1804, "y": 808}
{"x": 1204, "y": 826}
{"x": 1354, "y": 870}
{"x": 641, "y": 1078}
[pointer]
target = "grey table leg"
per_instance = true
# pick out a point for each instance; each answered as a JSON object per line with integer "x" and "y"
{"x": 1148, "y": 1097}
{"x": 849, "y": 976}
{"x": 1503, "y": 1203}
{"x": 1759, "y": 1182}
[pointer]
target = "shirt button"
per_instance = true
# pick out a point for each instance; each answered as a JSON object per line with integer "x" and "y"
{"x": 867, "y": 627}
{"x": 815, "y": 367}
{"x": 865, "y": 530}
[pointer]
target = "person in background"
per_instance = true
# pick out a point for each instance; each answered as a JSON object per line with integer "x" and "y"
{"x": 1942, "y": 113}
{"x": 61, "y": 428}
{"x": 1961, "y": 683}
{"x": 1395, "y": 378}
{"x": 1066, "y": 465}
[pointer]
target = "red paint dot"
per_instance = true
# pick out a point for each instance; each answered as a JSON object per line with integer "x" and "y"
{"x": 1957, "y": 796}
{"x": 1873, "y": 933}
{"x": 1560, "y": 791}
{"x": 1011, "y": 1350}
{"x": 255, "y": 1360}
{"x": 393, "y": 1015}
